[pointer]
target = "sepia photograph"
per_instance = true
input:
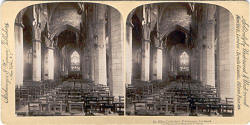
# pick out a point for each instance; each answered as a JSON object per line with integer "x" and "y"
{"x": 180, "y": 60}
{"x": 69, "y": 60}
{"x": 125, "y": 62}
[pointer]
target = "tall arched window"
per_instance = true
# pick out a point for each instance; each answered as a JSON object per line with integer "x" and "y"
{"x": 75, "y": 61}
{"x": 184, "y": 62}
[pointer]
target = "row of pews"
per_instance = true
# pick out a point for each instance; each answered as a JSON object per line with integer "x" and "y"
{"x": 73, "y": 97}
{"x": 175, "y": 98}
{"x": 31, "y": 90}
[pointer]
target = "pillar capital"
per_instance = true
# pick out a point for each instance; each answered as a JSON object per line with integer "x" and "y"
{"x": 211, "y": 14}
{"x": 158, "y": 43}
{"x": 36, "y": 40}
{"x": 130, "y": 24}
{"x": 36, "y": 17}
{"x": 20, "y": 24}
{"x": 19, "y": 19}
{"x": 49, "y": 42}
{"x": 100, "y": 13}
{"x": 211, "y": 21}
{"x": 147, "y": 40}
{"x": 51, "y": 48}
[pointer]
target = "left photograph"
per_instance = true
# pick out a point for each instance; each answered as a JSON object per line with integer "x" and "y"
{"x": 69, "y": 60}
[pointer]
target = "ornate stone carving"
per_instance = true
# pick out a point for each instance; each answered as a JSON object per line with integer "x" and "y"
{"x": 211, "y": 14}
{"x": 81, "y": 8}
{"x": 129, "y": 23}
{"x": 36, "y": 24}
{"x": 146, "y": 23}
{"x": 146, "y": 33}
{"x": 19, "y": 19}
{"x": 158, "y": 42}
{"x": 36, "y": 16}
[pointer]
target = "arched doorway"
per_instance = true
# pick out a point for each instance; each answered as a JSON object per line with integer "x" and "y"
{"x": 69, "y": 48}
{"x": 177, "y": 56}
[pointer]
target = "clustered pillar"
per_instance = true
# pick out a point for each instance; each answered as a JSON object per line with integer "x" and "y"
{"x": 19, "y": 49}
{"x": 157, "y": 60}
{"x": 208, "y": 52}
{"x": 210, "y": 40}
{"x": 129, "y": 26}
{"x": 225, "y": 69}
{"x": 49, "y": 60}
{"x": 100, "y": 45}
{"x": 51, "y": 63}
{"x": 145, "y": 45}
{"x": 36, "y": 54}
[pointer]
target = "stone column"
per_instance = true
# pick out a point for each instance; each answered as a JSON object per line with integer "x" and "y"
{"x": 145, "y": 60}
{"x": 201, "y": 55}
{"x": 92, "y": 65}
{"x": 63, "y": 62}
{"x": 90, "y": 41}
{"x": 100, "y": 46}
{"x": 36, "y": 54}
{"x": 66, "y": 63}
{"x": 117, "y": 60}
{"x": 36, "y": 38}
{"x": 157, "y": 60}
{"x": 209, "y": 42}
{"x": 19, "y": 49}
{"x": 62, "y": 66}
{"x": 225, "y": 54}
{"x": 85, "y": 64}
{"x": 49, "y": 60}
{"x": 91, "y": 53}
{"x": 129, "y": 27}
{"x": 145, "y": 46}
{"x": 57, "y": 63}
{"x": 36, "y": 60}
{"x": 165, "y": 64}
{"x": 51, "y": 63}
{"x": 46, "y": 64}
{"x": 194, "y": 63}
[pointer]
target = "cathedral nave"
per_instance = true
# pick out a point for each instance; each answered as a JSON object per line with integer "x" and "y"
{"x": 67, "y": 61}
{"x": 179, "y": 60}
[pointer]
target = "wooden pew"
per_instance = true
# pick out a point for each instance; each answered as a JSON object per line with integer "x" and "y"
{"x": 228, "y": 106}
{"x": 106, "y": 103}
{"x": 91, "y": 103}
{"x": 140, "y": 107}
{"x": 119, "y": 106}
{"x": 180, "y": 102}
{"x": 75, "y": 100}
{"x": 60, "y": 101}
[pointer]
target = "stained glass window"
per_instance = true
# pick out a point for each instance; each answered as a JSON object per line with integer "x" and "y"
{"x": 184, "y": 62}
{"x": 75, "y": 61}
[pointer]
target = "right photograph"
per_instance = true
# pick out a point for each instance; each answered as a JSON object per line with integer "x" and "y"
{"x": 180, "y": 60}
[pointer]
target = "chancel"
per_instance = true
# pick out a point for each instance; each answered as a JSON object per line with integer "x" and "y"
{"x": 179, "y": 60}
{"x": 69, "y": 60}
